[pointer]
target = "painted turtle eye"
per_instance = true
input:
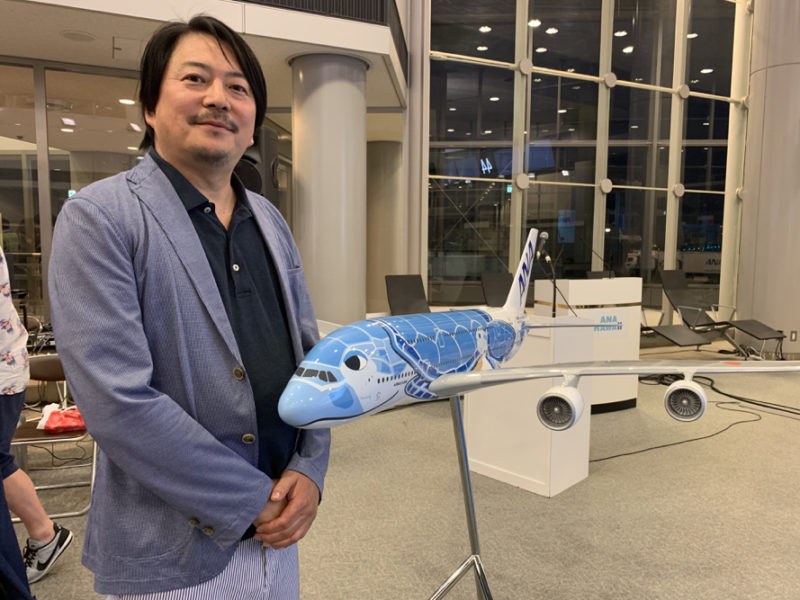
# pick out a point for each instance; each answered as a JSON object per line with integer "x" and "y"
{"x": 355, "y": 362}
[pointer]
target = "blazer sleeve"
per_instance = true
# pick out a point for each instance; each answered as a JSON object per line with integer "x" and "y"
{"x": 99, "y": 331}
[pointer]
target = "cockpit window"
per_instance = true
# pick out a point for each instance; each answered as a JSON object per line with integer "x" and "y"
{"x": 300, "y": 371}
{"x": 310, "y": 373}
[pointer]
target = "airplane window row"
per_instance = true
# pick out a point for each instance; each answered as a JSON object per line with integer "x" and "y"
{"x": 323, "y": 375}
{"x": 394, "y": 377}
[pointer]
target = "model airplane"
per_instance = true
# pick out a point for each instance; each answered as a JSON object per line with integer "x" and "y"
{"x": 371, "y": 365}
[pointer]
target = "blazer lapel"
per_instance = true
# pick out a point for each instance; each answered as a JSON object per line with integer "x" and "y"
{"x": 159, "y": 197}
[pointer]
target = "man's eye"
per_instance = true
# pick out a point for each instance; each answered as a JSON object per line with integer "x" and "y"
{"x": 193, "y": 78}
{"x": 239, "y": 89}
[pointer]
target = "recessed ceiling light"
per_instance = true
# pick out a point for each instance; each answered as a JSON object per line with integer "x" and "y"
{"x": 135, "y": 127}
{"x": 565, "y": 173}
{"x": 127, "y": 101}
{"x": 468, "y": 133}
{"x": 451, "y": 130}
{"x": 705, "y": 123}
{"x": 551, "y": 30}
{"x": 571, "y": 70}
{"x": 571, "y": 129}
{"x": 538, "y": 80}
{"x": 452, "y": 109}
{"x": 541, "y": 49}
{"x": 494, "y": 99}
{"x": 134, "y": 148}
{"x": 576, "y": 87}
{"x": 634, "y": 127}
{"x": 620, "y": 33}
{"x": 707, "y": 70}
{"x": 482, "y": 48}
{"x": 561, "y": 111}
{"x": 628, "y": 49}
{"x": 484, "y": 29}
{"x": 534, "y": 23}
{"x": 67, "y": 121}
{"x": 691, "y": 36}
{"x": 77, "y": 36}
{"x": 67, "y": 130}
{"x": 487, "y": 131}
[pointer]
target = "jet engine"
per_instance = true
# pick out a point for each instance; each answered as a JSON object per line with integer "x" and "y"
{"x": 685, "y": 400}
{"x": 560, "y": 407}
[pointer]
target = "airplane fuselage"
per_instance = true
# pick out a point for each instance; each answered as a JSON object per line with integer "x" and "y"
{"x": 370, "y": 365}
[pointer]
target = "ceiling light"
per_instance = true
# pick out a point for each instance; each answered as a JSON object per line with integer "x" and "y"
{"x": 534, "y": 23}
{"x": 541, "y": 49}
{"x": 482, "y": 48}
{"x": 451, "y": 130}
{"x": 67, "y": 121}
{"x": 565, "y": 173}
{"x": 561, "y": 111}
{"x": 691, "y": 36}
{"x": 706, "y": 123}
{"x": 487, "y": 131}
{"x": 135, "y": 127}
{"x": 537, "y": 80}
{"x": 620, "y": 33}
{"x": 634, "y": 127}
{"x": 494, "y": 99}
{"x": 571, "y": 70}
{"x": 706, "y": 71}
{"x": 134, "y": 148}
{"x": 571, "y": 129}
{"x": 67, "y": 130}
{"x": 468, "y": 133}
{"x": 127, "y": 101}
{"x": 627, "y": 50}
{"x": 452, "y": 109}
{"x": 576, "y": 87}
{"x": 484, "y": 29}
{"x": 551, "y": 30}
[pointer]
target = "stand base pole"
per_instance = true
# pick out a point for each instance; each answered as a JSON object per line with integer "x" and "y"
{"x": 474, "y": 560}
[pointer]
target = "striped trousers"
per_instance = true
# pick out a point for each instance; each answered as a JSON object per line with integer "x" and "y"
{"x": 254, "y": 573}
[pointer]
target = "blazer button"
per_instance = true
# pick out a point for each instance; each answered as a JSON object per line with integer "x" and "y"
{"x": 194, "y": 522}
{"x": 208, "y": 530}
{"x": 238, "y": 372}
{"x": 248, "y": 438}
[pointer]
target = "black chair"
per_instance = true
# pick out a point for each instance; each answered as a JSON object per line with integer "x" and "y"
{"x": 495, "y": 287}
{"x": 704, "y": 318}
{"x": 406, "y": 295}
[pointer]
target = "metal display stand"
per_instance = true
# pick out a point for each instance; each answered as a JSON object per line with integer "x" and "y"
{"x": 474, "y": 559}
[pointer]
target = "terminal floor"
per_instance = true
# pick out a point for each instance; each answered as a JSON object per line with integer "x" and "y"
{"x": 716, "y": 518}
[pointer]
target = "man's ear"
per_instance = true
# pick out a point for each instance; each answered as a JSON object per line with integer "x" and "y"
{"x": 148, "y": 116}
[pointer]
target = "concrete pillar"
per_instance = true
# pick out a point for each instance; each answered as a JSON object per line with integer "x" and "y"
{"x": 387, "y": 220}
{"x": 769, "y": 279}
{"x": 329, "y": 145}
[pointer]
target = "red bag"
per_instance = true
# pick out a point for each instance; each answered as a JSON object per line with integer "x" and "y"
{"x": 60, "y": 421}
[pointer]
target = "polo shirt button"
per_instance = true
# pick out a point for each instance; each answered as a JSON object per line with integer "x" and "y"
{"x": 238, "y": 372}
{"x": 194, "y": 522}
{"x": 208, "y": 530}
{"x": 235, "y": 267}
{"x": 207, "y": 209}
{"x": 248, "y": 438}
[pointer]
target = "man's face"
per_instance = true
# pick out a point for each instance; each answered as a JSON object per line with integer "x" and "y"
{"x": 205, "y": 115}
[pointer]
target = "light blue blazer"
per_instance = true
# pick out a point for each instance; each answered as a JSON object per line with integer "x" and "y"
{"x": 153, "y": 365}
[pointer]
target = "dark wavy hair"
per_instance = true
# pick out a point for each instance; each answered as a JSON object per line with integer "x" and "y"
{"x": 159, "y": 50}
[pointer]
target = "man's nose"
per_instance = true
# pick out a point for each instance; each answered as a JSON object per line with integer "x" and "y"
{"x": 216, "y": 96}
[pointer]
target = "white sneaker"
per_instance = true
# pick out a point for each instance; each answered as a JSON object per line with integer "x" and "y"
{"x": 40, "y": 557}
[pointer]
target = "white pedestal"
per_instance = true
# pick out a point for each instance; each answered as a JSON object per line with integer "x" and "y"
{"x": 505, "y": 439}
{"x": 616, "y": 305}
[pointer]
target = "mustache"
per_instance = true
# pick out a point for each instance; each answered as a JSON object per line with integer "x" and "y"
{"x": 214, "y": 117}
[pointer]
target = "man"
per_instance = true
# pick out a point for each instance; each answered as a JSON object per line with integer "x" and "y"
{"x": 180, "y": 311}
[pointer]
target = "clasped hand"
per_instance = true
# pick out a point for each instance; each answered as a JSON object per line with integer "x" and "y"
{"x": 289, "y": 512}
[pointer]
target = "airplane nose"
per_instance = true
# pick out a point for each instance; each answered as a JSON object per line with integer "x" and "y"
{"x": 303, "y": 405}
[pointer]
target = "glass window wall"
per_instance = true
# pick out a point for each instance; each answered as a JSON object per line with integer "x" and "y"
{"x": 558, "y": 142}
{"x": 19, "y": 193}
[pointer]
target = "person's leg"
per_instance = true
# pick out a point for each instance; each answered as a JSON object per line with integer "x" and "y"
{"x": 23, "y": 502}
{"x": 20, "y": 493}
{"x": 46, "y": 540}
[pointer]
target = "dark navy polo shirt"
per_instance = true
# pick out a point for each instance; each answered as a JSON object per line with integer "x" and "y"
{"x": 248, "y": 284}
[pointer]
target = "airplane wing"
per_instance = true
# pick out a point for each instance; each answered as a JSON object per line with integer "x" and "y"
{"x": 459, "y": 383}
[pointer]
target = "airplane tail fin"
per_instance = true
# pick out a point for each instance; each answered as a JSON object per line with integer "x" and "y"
{"x": 519, "y": 286}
